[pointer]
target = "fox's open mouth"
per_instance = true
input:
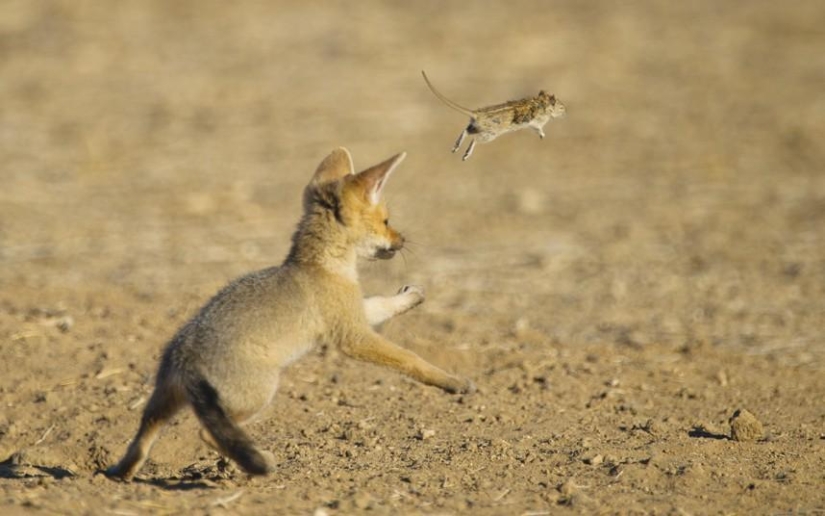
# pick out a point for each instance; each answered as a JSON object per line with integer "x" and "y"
{"x": 385, "y": 254}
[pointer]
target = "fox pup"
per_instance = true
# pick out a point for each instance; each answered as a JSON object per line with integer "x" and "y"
{"x": 488, "y": 123}
{"x": 226, "y": 361}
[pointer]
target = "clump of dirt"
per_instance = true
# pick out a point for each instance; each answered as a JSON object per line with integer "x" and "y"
{"x": 745, "y": 427}
{"x": 33, "y": 463}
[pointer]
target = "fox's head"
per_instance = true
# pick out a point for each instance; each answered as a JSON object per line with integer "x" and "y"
{"x": 349, "y": 205}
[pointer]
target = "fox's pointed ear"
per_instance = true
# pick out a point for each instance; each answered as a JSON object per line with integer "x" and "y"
{"x": 335, "y": 166}
{"x": 374, "y": 178}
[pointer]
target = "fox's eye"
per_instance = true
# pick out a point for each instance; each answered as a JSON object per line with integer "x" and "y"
{"x": 386, "y": 222}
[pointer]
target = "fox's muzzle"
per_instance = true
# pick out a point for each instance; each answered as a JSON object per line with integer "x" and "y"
{"x": 385, "y": 253}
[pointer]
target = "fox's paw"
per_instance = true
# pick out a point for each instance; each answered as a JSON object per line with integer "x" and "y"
{"x": 414, "y": 292}
{"x": 117, "y": 472}
{"x": 469, "y": 387}
{"x": 459, "y": 386}
{"x": 258, "y": 462}
{"x": 270, "y": 461}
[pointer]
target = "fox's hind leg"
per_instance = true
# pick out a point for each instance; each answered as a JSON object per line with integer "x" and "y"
{"x": 460, "y": 140}
{"x": 206, "y": 437}
{"x": 164, "y": 403}
{"x": 223, "y": 431}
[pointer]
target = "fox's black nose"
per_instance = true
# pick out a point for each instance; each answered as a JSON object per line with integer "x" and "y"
{"x": 385, "y": 254}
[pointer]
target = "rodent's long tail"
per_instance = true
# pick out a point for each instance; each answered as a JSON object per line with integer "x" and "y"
{"x": 450, "y": 103}
{"x": 233, "y": 441}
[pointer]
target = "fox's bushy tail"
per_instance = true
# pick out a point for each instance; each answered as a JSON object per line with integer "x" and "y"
{"x": 231, "y": 438}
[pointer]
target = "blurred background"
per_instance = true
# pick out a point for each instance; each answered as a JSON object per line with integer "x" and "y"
{"x": 163, "y": 145}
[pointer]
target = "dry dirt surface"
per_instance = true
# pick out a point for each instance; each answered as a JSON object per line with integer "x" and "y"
{"x": 617, "y": 291}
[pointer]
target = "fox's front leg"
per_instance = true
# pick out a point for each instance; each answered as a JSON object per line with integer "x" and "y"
{"x": 381, "y": 308}
{"x": 372, "y": 347}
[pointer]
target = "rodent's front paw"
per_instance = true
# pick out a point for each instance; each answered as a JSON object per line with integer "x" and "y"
{"x": 415, "y": 292}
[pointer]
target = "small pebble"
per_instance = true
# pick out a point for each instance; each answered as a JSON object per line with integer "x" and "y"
{"x": 745, "y": 427}
{"x": 568, "y": 488}
{"x": 65, "y": 323}
{"x": 425, "y": 433}
{"x": 362, "y": 500}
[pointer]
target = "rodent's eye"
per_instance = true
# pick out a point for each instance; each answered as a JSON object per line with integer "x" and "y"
{"x": 386, "y": 222}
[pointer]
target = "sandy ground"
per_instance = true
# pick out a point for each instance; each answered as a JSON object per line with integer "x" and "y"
{"x": 616, "y": 291}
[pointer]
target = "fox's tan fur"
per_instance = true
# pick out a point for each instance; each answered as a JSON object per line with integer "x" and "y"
{"x": 226, "y": 361}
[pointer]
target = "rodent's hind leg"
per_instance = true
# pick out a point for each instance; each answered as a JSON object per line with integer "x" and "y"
{"x": 460, "y": 140}
{"x": 469, "y": 151}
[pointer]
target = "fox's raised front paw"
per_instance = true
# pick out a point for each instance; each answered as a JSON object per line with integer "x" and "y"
{"x": 414, "y": 292}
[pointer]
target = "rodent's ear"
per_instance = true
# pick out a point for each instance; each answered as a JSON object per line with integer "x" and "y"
{"x": 373, "y": 179}
{"x": 335, "y": 166}
{"x": 551, "y": 98}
